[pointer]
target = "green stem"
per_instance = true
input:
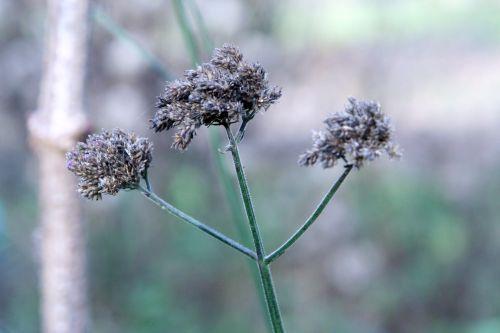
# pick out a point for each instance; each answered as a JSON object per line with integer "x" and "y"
{"x": 237, "y": 216}
{"x": 222, "y": 172}
{"x": 314, "y": 216}
{"x": 208, "y": 44}
{"x": 118, "y": 31}
{"x": 203, "y": 227}
{"x": 186, "y": 30}
{"x": 146, "y": 180}
{"x": 264, "y": 269}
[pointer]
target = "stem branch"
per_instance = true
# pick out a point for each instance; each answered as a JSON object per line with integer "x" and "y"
{"x": 222, "y": 172}
{"x": 326, "y": 199}
{"x": 203, "y": 227}
{"x": 264, "y": 269}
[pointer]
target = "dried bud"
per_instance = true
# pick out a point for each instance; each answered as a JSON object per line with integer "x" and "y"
{"x": 108, "y": 162}
{"x": 224, "y": 91}
{"x": 358, "y": 134}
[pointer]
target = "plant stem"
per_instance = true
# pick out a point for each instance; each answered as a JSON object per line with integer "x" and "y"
{"x": 203, "y": 227}
{"x": 224, "y": 177}
{"x": 264, "y": 269}
{"x": 326, "y": 199}
{"x": 118, "y": 31}
{"x": 202, "y": 28}
{"x": 237, "y": 216}
{"x": 186, "y": 30}
{"x": 146, "y": 180}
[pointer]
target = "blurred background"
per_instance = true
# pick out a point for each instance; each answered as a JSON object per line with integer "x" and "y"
{"x": 407, "y": 246}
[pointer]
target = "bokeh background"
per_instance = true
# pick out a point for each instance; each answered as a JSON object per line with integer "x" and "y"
{"x": 407, "y": 246}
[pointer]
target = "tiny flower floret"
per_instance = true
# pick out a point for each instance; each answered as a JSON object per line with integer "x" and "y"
{"x": 108, "y": 162}
{"x": 224, "y": 91}
{"x": 359, "y": 134}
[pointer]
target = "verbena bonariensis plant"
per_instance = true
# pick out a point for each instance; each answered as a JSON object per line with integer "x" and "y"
{"x": 223, "y": 92}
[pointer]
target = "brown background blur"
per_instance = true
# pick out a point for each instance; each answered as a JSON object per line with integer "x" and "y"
{"x": 408, "y": 246}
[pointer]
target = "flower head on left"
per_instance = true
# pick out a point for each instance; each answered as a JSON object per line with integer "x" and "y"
{"x": 109, "y": 162}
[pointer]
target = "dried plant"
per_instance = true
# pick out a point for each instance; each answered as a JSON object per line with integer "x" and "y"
{"x": 226, "y": 91}
{"x": 109, "y": 162}
{"x": 223, "y": 91}
{"x": 359, "y": 134}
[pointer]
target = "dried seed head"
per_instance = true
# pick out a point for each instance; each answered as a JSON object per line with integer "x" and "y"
{"x": 358, "y": 134}
{"x": 223, "y": 91}
{"x": 108, "y": 162}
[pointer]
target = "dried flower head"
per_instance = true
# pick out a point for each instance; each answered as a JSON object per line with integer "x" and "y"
{"x": 358, "y": 134}
{"x": 108, "y": 162}
{"x": 223, "y": 91}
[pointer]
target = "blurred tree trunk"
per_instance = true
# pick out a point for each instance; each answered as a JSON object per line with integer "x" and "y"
{"x": 54, "y": 128}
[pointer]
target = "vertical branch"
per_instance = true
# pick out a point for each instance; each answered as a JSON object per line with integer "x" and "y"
{"x": 208, "y": 44}
{"x": 222, "y": 171}
{"x": 54, "y": 128}
{"x": 186, "y": 30}
{"x": 264, "y": 269}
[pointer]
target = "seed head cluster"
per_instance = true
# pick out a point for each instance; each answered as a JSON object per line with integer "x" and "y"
{"x": 108, "y": 162}
{"x": 224, "y": 91}
{"x": 359, "y": 134}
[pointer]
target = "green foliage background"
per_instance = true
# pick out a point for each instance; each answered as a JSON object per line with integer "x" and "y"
{"x": 428, "y": 255}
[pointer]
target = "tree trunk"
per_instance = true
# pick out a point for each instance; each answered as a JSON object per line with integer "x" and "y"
{"x": 54, "y": 128}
